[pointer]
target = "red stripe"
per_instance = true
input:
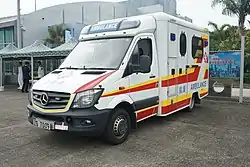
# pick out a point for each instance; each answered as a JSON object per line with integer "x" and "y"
{"x": 206, "y": 74}
{"x": 199, "y": 60}
{"x": 136, "y": 89}
{"x": 173, "y": 107}
{"x": 146, "y": 113}
{"x": 93, "y": 83}
{"x": 203, "y": 94}
{"x": 182, "y": 79}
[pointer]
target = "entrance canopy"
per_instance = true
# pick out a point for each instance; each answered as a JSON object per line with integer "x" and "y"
{"x": 38, "y": 49}
{"x": 35, "y": 50}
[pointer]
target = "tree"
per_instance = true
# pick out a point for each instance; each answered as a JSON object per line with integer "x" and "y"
{"x": 219, "y": 31}
{"x": 56, "y": 35}
{"x": 218, "y": 36}
{"x": 240, "y": 8}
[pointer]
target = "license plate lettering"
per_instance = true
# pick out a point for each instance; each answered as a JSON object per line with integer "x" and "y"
{"x": 43, "y": 124}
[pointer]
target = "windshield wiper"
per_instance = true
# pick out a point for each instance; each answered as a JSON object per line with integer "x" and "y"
{"x": 95, "y": 68}
{"x": 72, "y": 68}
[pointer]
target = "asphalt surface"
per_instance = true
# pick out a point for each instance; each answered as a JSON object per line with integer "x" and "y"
{"x": 215, "y": 134}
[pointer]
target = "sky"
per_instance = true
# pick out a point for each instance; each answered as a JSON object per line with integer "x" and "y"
{"x": 199, "y": 10}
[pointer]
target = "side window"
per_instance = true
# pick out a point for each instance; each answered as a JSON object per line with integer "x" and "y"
{"x": 197, "y": 47}
{"x": 142, "y": 48}
{"x": 183, "y": 44}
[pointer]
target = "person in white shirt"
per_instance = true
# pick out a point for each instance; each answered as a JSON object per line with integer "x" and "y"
{"x": 40, "y": 71}
{"x": 20, "y": 76}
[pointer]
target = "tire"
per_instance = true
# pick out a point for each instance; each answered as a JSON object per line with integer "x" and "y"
{"x": 118, "y": 127}
{"x": 192, "y": 104}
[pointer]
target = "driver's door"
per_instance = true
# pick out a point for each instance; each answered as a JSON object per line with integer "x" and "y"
{"x": 144, "y": 85}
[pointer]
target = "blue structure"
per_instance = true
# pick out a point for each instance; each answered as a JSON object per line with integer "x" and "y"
{"x": 224, "y": 64}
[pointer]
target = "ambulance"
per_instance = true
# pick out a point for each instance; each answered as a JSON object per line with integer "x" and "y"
{"x": 121, "y": 72}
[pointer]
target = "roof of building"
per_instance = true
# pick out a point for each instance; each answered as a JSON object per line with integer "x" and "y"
{"x": 8, "y": 48}
{"x": 69, "y": 45}
{"x": 7, "y": 19}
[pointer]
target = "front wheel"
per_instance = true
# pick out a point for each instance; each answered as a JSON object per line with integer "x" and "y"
{"x": 118, "y": 127}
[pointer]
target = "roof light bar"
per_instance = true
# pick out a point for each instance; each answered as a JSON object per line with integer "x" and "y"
{"x": 126, "y": 24}
{"x": 107, "y": 27}
{"x": 85, "y": 30}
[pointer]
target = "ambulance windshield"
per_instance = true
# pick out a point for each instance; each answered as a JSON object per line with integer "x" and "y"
{"x": 97, "y": 54}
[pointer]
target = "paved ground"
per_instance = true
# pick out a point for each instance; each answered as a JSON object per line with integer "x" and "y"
{"x": 236, "y": 92}
{"x": 215, "y": 134}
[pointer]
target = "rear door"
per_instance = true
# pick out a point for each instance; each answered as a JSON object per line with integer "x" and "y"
{"x": 172, "y": 87}
{"x": 182, "y": 66}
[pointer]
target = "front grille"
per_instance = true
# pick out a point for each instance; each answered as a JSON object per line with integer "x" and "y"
{"x": 53, "y": 100}
{"x": 49, "y": 117}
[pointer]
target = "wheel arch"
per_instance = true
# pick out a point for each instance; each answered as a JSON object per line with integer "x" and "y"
{"x": 126, "y": 103}
{"x": 131, "y": 111}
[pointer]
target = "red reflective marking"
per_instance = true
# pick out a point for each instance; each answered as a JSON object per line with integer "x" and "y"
{"x": 93, "y": 83}
{"x": 206, "y": 74}
{"x": 146, "y": 113}
{"x": 175, "y": 106}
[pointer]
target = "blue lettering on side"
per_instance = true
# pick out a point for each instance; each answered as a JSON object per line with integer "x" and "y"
{"x": 98, "y": 28}
{"x": 199, "y": 85}
{"x": 182, "y": 89}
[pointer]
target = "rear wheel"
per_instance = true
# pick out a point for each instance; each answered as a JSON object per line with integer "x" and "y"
{"x": 118, "y": 127}
{"x": 192, "y": 104}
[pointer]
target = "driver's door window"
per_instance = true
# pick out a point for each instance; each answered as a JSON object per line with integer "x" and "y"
{"x": 143, "y": 47}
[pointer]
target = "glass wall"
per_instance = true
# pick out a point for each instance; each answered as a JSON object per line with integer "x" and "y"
{"x": 6, "y": 36}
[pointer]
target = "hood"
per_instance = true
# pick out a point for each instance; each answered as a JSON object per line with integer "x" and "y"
{"x": 69, "y": 81}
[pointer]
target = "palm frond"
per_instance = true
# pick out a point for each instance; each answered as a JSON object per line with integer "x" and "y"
{"x": 214, "y": 25}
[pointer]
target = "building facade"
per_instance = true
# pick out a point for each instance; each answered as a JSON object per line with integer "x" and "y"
{"x": 75, "y": 16}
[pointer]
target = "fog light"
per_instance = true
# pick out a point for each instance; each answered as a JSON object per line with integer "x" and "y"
{"x": 86, "y": 122}
{"x": 68, "y": 119}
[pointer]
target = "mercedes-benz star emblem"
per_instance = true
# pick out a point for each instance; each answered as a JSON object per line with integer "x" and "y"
{"x": 44, "y": 99}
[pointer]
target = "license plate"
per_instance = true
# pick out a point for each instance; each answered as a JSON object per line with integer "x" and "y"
{"x": 44, "y": 124}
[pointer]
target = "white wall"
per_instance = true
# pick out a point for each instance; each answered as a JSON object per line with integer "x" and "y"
{"x": 36, "y": 23}
{"x": 83, "y": 13}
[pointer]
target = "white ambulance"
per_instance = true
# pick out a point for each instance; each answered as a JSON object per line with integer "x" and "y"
{"x": 123, "y": 71}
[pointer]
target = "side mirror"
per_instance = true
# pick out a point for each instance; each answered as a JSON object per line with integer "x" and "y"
{"x": 145, "y": 63}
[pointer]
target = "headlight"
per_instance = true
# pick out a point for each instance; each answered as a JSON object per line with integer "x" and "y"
{"x": 87, "y": 98}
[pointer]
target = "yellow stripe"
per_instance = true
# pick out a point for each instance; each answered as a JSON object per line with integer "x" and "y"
{"x": 131, "y": 87}
{"x": 139, "y": 111}
{"x": 56, "y": 110}
{"x": 204, "y": 37}
{"x": 204, "y": 90}
{"x": 189, "y": 71}
{"x": 176, "y": 99}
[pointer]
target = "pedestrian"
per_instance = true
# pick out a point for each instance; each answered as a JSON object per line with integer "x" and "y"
{"x": 26, "y": 77}
{"x": 40, "y": 70}
{"x": 20, "y": 75}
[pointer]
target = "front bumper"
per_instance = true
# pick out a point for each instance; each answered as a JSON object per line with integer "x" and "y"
{"x": 90, "y": 122}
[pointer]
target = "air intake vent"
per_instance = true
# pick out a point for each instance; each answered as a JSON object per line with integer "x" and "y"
{"x": 56, "y": 72}
{"x": 94, "y": 72}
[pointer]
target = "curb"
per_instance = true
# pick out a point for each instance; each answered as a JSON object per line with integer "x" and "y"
{"x": 246, "y": 100}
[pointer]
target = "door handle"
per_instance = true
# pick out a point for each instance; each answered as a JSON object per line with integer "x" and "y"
{"x": 152, "y": 76}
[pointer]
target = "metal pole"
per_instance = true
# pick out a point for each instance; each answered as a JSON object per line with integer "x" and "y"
{"x": 18, "y": 25}
{"x": 35, "y": 5}
{"x": 114, "y": 12}
{"x": 99, "y": 12}
{"x": 32, "y": 70}
{"x": 1, "y": 74}
{"x": 82, "y": 14}
{"x": 242, "y": 68}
